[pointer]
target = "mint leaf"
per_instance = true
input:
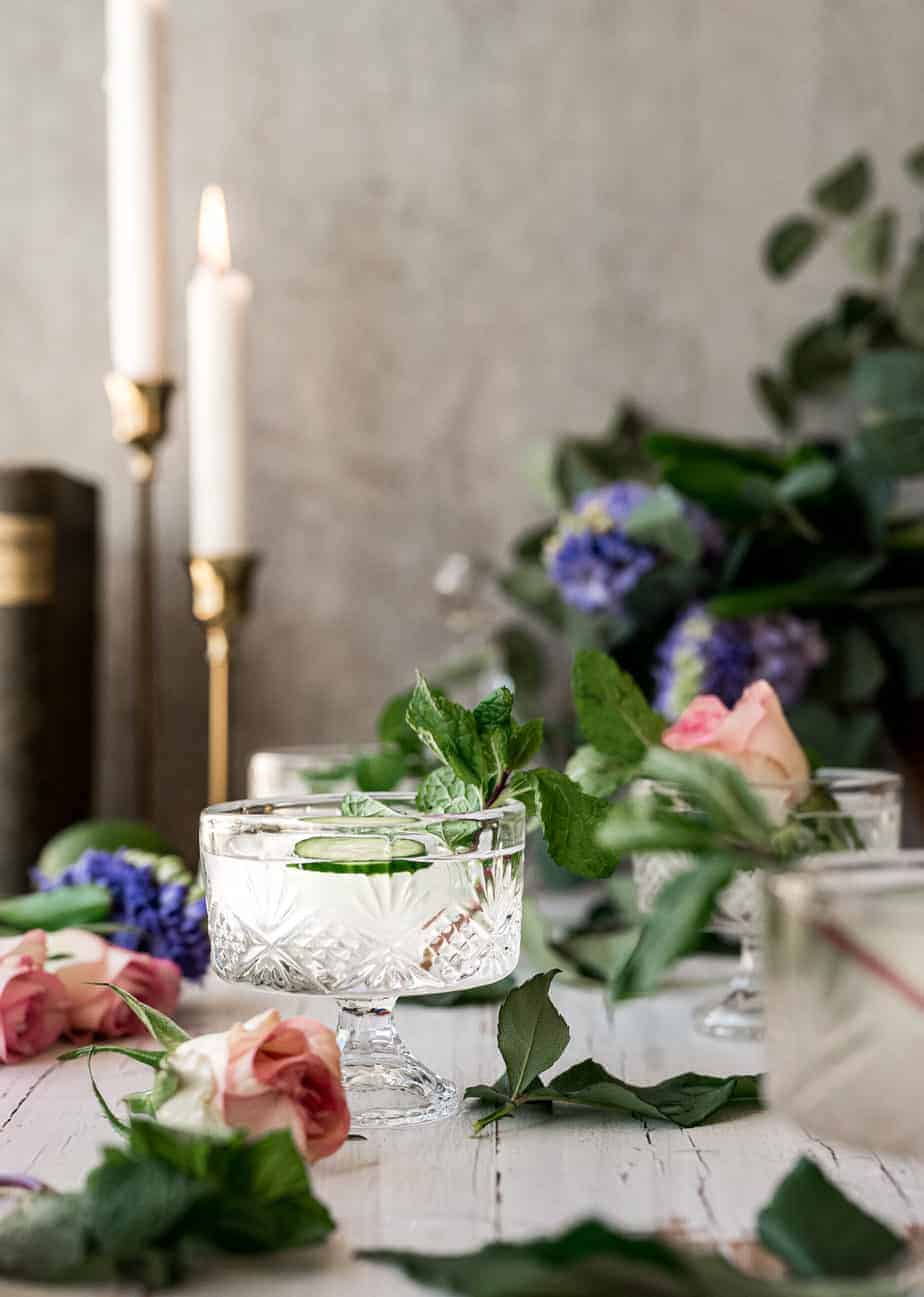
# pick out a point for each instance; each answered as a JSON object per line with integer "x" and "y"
{"x": 444, "y": 793}
{"x": 495, "y": 711}
{"x": 531, "y": 1033}
{"x": 611, "y": 708}
{"x": 598, "y": 774}
{"x": 570, "y": 821}
{"x": 809, "y": 1224}
{"x": 524, "y": 744}
{"x": 66, "y": 907}
{"x": 164, "y": 1030}
{"x": 392, "y": 726}
{"x": 361, "y": 804}
{"x": 380, "y": 771}
{"x": 682, "y": 908}
{"x": 448, "y": 730}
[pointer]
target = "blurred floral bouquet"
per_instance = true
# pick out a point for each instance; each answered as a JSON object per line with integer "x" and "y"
{"x": 708, "y": 565}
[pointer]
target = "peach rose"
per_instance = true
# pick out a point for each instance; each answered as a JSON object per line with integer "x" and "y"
{"x": 33, "y": 1003}
{"x": 265, "y": 1074}
{"x": 96, "y": 1010}
{"x": 754, "y": 736}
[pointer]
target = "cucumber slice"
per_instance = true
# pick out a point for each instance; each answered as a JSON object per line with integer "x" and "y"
{"x": 358, "y": 849}
{"x": 360, "y": 866}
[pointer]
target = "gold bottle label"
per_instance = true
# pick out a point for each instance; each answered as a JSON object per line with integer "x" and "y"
{"x": 27, "y": 559}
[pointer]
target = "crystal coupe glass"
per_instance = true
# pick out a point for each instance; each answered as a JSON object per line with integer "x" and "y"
{"x": 857, "y": 807}
{"x": 305, "y": 899}
{"x": 845, "y": 997}
{"x": 298, "y": 772}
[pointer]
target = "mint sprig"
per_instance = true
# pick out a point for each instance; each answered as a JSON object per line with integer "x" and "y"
{"x": 149, "y": 1204}
{"x": 484, "y": 755}
{"x": 532, "y": 1036}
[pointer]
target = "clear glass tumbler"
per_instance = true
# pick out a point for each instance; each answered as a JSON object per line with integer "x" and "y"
{"x": 297, "y": 772}
{"x": 856, "y": 808}
{"x": 366, "y": 908}
{"x": 844, "y": 959}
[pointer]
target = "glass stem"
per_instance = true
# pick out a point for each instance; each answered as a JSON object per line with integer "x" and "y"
{"x": 366, "y": 1027}
{"x": 747, "y": 974}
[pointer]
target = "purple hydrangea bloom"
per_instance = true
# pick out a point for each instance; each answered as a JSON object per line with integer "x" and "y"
{"x": 162, "y": 918}
{"x": 591, "y": 559}
{"x": 703, "y": 654}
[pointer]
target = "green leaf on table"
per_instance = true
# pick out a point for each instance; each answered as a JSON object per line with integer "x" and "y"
{"x": 447, "y": 729}
{"x": 569, "y": 819}
{"x": 598, "y": 774}
{"x": 164, "y": 1030}
{"x": 788, "y": 244}
{"x": 771, "y": 392}
{"x": 65, "y": 907}
{"x": 494, "y": 993}
{"x": 845, "y": 189}
{"x": 531, "y": 1033}
{"x": 524, "y": 743}
{"x": 380, "y": 771}
{"x": 685, "y": 1100}
{"x": 909, "y": 303}
{"x": 672, "y": 929}
{"x": 870, "y": 244}
{"x": 809, "y": 1224}
{"x": 613, "y": 712}
{"x": 662, "y": 521}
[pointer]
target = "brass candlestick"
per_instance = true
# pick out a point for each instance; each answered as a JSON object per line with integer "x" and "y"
{"x": 220, "y": 596}
{"x": 139, "y": 422}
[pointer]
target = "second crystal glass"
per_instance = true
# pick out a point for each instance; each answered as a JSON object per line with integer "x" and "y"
{"x": 856, "y": 808}
{"x": 366, "y": 908}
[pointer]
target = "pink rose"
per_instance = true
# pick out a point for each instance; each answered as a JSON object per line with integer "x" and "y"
{"x": 265, "y": 1074}
{"x": 754, "y": 736}
{"x": 96, "y": 1010}
{"x": 33, "y": 1003}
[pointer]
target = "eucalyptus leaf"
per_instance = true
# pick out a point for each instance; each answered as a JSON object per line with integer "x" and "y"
{"x": 788, "y": 244}
{"x": 773, "y": 394}
{"x": 909, "y": 303}
{"x": 828, "y": 583}
{"x": 662, "y": 521}
{"x": 871, "y": 243}
{"x": 682, "y": 908}
{"x": 817, "y": 356}
{"x": 893, "y": 448}
{"x": 889, "y": 382}
{"x": 845, "y": 189}
{"x": 914, "y": 163}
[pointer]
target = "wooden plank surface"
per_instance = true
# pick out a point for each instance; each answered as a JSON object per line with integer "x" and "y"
{"x": 437, "y": 1188}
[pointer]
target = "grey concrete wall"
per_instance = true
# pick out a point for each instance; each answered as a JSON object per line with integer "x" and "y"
{"x": 470, "y": 223}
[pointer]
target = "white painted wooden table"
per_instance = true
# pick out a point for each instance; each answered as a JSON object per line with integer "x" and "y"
{"x": 435, "y": 1188}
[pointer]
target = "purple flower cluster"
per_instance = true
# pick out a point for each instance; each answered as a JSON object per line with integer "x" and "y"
{"x": 591, "y": 559}
{"x": 155, "y": 898}
{"x": 703, "y": 654}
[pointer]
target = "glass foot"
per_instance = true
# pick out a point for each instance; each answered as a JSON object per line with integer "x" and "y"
{"x": 739, "y": 1015}
{"x": 386, "y": 1085}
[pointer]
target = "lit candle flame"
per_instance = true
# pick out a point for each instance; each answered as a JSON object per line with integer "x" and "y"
{"x": 214, "y": 241}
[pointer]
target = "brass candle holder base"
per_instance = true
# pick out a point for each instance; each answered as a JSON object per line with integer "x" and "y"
{"x": 220, "y": 598}
{"x": 139, "y": 422}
